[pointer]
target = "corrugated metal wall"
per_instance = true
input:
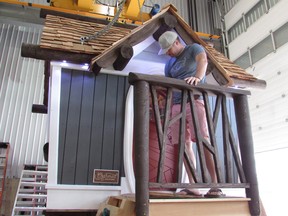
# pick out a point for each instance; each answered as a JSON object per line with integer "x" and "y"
{"x": 228, "y": 4}
{"x": 21, "y": 82}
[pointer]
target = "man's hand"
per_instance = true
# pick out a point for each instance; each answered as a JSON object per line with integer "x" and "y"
{"x": 192, "y": 80}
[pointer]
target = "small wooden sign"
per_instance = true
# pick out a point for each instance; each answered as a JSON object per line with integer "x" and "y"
{"x": 106, "y": 176}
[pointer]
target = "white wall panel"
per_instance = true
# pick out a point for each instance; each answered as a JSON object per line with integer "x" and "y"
{"x": 269, "y": 107}
{"x": 236, "y": 12}
{"x": 21, "y": 82}
{"x": 229, "y": 4}
{"x": 259, "y": 30}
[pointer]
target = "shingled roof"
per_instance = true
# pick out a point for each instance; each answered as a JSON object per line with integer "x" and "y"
{"x": 62, "y": 35}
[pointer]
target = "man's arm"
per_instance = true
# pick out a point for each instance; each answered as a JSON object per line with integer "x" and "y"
{"x": 202, "y": 63}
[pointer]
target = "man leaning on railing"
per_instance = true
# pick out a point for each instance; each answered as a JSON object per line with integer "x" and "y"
{"x": 188, "y": 63}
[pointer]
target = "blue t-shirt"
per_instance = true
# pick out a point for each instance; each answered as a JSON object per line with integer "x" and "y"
{"x": 183, "y": 66}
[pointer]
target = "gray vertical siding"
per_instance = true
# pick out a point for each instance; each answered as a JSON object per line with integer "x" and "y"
{"x": 91, "y": 125}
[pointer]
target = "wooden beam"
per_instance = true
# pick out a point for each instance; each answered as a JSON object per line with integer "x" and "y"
{"x": 125, "y": 54}
{"x": 260, "y": 84}
{"x": 168, "y": 22}
{"x": 36, "y": 52}
{"x": 181, "y": 84}
{"x": 46, "y": 82}
{"x": 39, "y": 108}
{"x": 218, "y": 76}
{"x": 95, "y": 69}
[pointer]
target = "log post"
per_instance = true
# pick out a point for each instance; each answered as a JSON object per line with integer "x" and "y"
{"x": 37, "y": 52}
{"x": 168, "y": 22}
{"x": 124, "y": 56}
{"x": 46, "y": 82}
{"x": 39, "y": 108}
{"x": 247, "y": 151}
{"x": 95, "y": 69}
{"x": 141, "y": 126}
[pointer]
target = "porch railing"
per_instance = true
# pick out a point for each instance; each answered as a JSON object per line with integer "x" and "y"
{"x": 237, "y": 150}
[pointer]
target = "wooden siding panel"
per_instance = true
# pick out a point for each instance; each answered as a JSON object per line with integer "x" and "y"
{"x": 97, "y": 125}
{"x": 64, "y": 104}
{"x": 91, "y": 125}
{"x": 72, "y": 129}
{"x": 109, "y": 124}
{"x": 119, "y": 123}
{"x": 82, "y": 166}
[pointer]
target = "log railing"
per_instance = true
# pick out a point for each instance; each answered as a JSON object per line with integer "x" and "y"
{"x": 237, "y": 150}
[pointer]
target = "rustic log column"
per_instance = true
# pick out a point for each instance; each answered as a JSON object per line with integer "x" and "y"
{"x": 247, "y": 151}
{"x": 95, "y": 69}
{"x": 141, "y": 133}
{"x": 168, "y": 22}
{"x": 37, "y": 52}
{"x": 124, "y": 56}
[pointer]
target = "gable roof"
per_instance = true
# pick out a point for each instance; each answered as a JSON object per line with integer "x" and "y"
{"x": 115, "y": 47}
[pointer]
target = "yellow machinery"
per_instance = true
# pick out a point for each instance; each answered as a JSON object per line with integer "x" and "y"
{"x": 131, "y": 8}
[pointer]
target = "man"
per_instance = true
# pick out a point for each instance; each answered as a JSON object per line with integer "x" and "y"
{"x": 188, "y": 63}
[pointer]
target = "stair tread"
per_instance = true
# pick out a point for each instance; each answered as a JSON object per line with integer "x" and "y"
{"x": 30, "y": 203}
{"x": 33, "y": 172}
{"x": 32, "y": 195}
{"x": 29, "y": 208}
{"x": 202, "y": 199}
{"x": 34, "y": 183}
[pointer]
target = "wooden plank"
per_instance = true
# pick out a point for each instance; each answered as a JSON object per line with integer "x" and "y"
{"x": 120, "y": 118}
{"x": 181, "y": 84}
{"x": 59, "y": 30}
{"x": 199, "y": 207}
{"x": 226, "y": 143}
{"x": 95, "y": 156}
{"x": 109, "y": 113}
{"x": 212, "y": 136}
{"x": 37, "y": 52}
{"x": 71, "y": 142}
{"x": 198, "y": 185}
{"x": 64, "y": 106}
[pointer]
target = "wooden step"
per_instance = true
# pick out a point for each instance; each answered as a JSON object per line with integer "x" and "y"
{"x": 231, "y": 206}
{"x": 228, "y": 206}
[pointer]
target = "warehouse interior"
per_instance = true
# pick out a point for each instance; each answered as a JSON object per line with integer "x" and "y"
{"x": 252, "y": 34}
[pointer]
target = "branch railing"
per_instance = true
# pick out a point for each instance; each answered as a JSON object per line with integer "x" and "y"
{"x": 238, "y": 150}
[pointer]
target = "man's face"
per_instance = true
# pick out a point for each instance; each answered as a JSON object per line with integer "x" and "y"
{"x": 174, "y": 50}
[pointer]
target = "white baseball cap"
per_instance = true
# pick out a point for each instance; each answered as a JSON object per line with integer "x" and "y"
{"x": 166, "y": 41}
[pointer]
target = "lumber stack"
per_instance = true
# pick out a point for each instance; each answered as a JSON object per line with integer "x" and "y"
{"x": 61, "y": 33}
